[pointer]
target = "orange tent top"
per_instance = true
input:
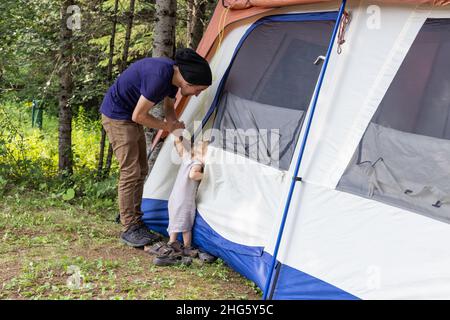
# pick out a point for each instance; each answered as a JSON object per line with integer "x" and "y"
{"x": 244, "y": 4}
{"x": 231, "y": 11}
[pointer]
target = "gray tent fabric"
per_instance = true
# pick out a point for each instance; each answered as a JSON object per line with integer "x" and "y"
{"x": 270, "y": 85}
{"x": 404, "y": 169}
{"x": 275, "y": 65}
{"x": 418, "y": 100}
{"x": 404, "y": 156}
{"x": 258, "y": 131}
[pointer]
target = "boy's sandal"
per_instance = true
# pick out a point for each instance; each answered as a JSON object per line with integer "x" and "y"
{"x": 172, "y": 260}
{"x": 190, "y": 252}
{"x": 163, "y": 248}
{"x": 159, "y": 248}
{"x": 177, "y": 246}
{"x": 206, "y": 257}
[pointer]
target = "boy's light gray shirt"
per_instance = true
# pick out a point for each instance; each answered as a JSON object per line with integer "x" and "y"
{"x": 181, "y": 204}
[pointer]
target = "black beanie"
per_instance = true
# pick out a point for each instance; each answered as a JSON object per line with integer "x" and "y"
{"x": 193, "y": 67}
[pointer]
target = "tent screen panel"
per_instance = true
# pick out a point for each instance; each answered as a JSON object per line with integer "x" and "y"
{"x": 269, "y": 88}
{"x": 404, "y": 156}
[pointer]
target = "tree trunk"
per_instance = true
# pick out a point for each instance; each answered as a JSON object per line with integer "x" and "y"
{"x": 197, "y": 22}
{"x": 112, "y": 42}
{"x": 123, "y": 66}
{"x": 163, "y": 46}
{"x": 65, "y": 161}
{"x": 164, "y": 32}
{"x": 100, "y": 172}
{"x": 108, "y": 161}
{"x": 190, "y": 10}
{"x": 101, "y": 153}
{"x": 130, "y": 15}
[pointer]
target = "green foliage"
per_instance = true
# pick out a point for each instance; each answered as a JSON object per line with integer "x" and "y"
{"x": 69, "y": 194}
{"x": 21, "y": 153}
{"x": 29, "y": 57}
{"x": 141, "y": 44}
{"x": 29, "y": 70}
{"x": 29, "y": 156}
{"x": 29, "y": 38}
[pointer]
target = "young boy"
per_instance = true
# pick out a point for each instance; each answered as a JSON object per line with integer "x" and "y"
{"x": 182, "y": 207}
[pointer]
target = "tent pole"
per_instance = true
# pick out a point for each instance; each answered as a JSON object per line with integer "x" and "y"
{"x": 269, "y": 286}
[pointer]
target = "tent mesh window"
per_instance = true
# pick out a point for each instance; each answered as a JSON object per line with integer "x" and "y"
{"x": 404, "y": 156}
{"x": 269, "y": 88}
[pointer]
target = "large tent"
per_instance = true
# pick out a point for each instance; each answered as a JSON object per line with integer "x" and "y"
{"x": 347, "y": 193}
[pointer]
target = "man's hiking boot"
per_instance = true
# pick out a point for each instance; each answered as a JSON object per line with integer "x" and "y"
{"x": 148, "y": 234}
{"x": 137, "y": 237}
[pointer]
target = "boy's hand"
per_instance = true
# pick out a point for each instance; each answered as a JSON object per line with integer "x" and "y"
{"x": 196, "y": 172}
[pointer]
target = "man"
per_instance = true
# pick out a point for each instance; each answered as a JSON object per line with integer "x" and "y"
{"x": 125, "y": 110}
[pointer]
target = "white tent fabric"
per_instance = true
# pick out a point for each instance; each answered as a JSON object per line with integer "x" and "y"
{"x": 161, "y": 179}
{"x": 367, "y": 248}
{"x": 356, "y": 82}
{"x": 240, "y": 198}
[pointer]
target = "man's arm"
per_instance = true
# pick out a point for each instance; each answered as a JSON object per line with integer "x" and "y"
{"x": 141, "y": 116}
{"x": 169, "y": 109}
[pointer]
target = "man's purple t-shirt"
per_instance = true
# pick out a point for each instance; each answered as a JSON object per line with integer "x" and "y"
{"x": 150, "y": 77}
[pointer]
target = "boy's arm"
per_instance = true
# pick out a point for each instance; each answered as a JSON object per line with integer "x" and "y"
{"x": 179, "y": 146}
{"x": 196, "y": 172}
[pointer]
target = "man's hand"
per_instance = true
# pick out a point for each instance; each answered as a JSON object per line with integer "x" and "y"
{"x": 173, "y": 127}
{"x": 141, "y": 116}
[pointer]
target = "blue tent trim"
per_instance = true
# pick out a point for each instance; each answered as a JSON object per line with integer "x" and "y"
{"x": 252, "y": 262}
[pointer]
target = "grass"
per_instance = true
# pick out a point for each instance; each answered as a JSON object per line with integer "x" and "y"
{"x": 56, "y": 249}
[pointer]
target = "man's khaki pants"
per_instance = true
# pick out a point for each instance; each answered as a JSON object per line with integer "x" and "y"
{"x": 128, "y": 142}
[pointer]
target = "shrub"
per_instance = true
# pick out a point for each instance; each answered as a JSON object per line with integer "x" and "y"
{"x": 29, "y": 156}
